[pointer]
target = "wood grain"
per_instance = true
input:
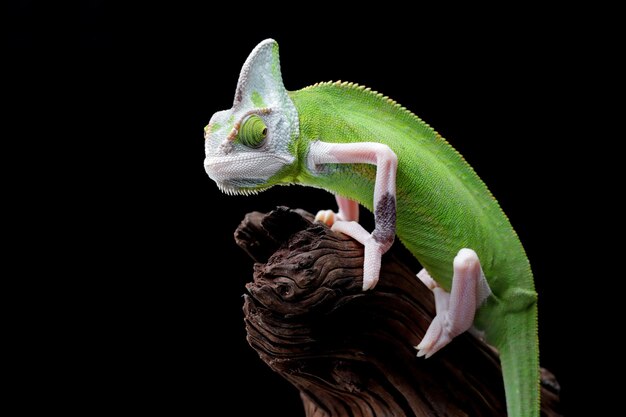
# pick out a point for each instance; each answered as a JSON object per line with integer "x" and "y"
{"x": 349, "y": 352}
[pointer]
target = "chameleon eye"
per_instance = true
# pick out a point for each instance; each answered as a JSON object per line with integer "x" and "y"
{"x": 253, "y": 131}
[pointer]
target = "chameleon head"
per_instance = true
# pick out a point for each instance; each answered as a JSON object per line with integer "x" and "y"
{"x": 250, "y": 146}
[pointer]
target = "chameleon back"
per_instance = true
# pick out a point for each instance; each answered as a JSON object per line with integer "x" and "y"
{"x": 442, "y": 205}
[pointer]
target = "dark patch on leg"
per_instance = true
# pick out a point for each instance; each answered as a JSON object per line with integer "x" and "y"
{"x": 385, "y": 215}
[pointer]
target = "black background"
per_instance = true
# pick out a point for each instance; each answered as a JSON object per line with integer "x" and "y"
{"x": 126, "y": 94}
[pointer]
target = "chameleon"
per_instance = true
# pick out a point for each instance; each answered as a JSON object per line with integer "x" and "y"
{"x": 367, "y": 149}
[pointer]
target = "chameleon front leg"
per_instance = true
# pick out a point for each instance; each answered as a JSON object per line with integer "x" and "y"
{"x": 386, "y": 161}
{"x": 456, "y": 309}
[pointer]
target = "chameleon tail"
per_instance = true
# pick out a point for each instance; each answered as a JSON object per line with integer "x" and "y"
{"x": 519, "y": 356}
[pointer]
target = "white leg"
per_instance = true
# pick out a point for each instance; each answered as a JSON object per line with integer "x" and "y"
{"x": 373, "y": 251}
{"x": 348, "y": 211}
{"x": 455, "y": 310}
{"x": 384, "y": 232}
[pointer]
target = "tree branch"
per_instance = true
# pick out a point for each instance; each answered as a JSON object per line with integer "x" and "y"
{"x": 349, "y": 352}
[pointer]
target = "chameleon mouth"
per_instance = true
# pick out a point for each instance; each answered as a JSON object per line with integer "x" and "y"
{"x": 244, "y": 174}
{"x": 245, "y": 170}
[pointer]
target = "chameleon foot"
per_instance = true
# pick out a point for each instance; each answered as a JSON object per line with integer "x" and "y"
{"x": 456, "y": 309}
{"x": 348, "y": 211}
{"x": 325, "y": 216}
{"x": 373, "y": 251}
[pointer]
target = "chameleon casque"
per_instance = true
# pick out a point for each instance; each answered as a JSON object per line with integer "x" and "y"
{"x": 365, "y": 148}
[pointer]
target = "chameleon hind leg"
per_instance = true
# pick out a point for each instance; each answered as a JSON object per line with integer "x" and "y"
{"x": 456, "y": 309}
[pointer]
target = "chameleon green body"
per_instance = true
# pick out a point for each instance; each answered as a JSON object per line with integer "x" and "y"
{"x": 442, "y": 206}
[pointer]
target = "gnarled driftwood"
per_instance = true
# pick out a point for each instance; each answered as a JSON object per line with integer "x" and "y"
{"x": 349, "y": 352}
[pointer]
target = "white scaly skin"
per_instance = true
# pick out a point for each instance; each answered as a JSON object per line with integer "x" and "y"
{"x": 235, "y": 168}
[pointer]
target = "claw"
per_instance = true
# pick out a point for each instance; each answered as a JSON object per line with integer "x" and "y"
{"x": 371, "y": 264}
{"x": 369, "y": 283}
{"x": 325, "y": 216}
{"x": 436, "y": 337}
{"x": 425, "y": 277}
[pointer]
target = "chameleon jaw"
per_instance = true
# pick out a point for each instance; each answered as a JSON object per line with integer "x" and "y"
{"x": 245, "y": 173}
{"x": 239, "y": 191}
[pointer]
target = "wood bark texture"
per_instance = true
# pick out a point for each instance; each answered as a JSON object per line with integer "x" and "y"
{"x": 349, "y": 352}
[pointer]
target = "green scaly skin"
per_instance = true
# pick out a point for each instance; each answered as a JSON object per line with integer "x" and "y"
{"x": 442, "y": 206}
